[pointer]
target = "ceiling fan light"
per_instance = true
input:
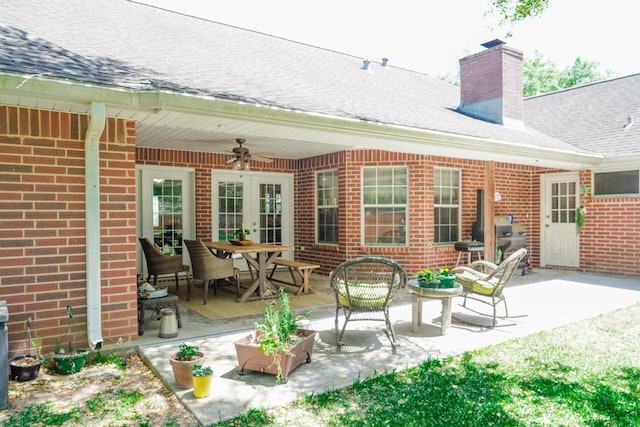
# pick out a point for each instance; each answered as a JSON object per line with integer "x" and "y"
{"x": 237, "y": 165}
{"x": 246, "y": 165}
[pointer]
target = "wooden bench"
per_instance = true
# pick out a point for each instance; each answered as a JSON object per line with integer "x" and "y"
{"x": 303, "y": 268}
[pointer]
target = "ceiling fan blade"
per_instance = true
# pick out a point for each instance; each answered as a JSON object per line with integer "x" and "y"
{"x": 257, "y": 158}
{"x": 233, "y": 159}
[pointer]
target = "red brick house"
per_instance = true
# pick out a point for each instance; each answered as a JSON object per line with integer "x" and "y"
{"x": 123, "y": 123}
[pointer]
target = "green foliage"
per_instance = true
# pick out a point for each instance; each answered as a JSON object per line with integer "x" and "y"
{"x": 111, "y": 358}
{"x": 201, "y": 371}
{"x": 187, "y": 351}
{"x": 543, "y": 76}
{"x": 43, "y": 415}
{"x": 278, "y": 332}
{"x": 512, "y": 11}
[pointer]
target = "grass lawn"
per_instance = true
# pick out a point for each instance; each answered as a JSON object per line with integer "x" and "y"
{"x": 584, "y": 374}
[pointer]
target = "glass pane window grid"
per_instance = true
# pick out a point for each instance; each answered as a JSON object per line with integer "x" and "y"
{"x": 327, "y": 207}
{"x": 230, "y": 209}
{"x": 271, "y": 213}
{"x": 385, "y": 196}
{"x": 167, "y": 215}
{"x": 563, "y": 202}
{"x": 446, "y": 204}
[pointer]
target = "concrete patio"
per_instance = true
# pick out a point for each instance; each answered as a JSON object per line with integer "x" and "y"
{"x": 542, "y": 300}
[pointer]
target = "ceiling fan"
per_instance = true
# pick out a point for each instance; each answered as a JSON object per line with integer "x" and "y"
{"x": 242, "y": 156}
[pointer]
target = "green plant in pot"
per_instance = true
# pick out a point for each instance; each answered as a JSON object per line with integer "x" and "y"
{"x": 187, "y": 356}
{"x": 242, "y": 232}
{"x": 26, "y": 367}
{"x": 277, "y": 346}
{"x": 202, "y": 377}
{"x": 427, "y": 278}
{"x": 447, "y": 280}
{"x": 70, "y": 360}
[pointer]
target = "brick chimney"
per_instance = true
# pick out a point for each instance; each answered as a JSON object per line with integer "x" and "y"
{"x": 491, "y": 85}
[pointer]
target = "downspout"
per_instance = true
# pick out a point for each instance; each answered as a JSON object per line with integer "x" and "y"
{"x": 92, "y": 223}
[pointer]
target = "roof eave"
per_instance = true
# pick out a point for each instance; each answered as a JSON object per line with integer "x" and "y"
{"x": 346, "y": 133}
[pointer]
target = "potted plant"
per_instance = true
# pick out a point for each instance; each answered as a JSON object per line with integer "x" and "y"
{"x": 70, "y": 360}
{"x": 447, "y": 280}
{"x": 427, "y": 278}
{"x": 202, "y": 377}
{"x": 26, "y": 367}
{"x": 242, "y": 232}
{"x": 183, "y": 361}
{"x": 277, "y": 346}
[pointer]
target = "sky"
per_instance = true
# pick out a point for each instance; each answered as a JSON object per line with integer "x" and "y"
{"x": 430, "y": 36}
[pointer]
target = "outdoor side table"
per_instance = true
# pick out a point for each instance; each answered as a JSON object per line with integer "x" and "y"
{"x": 149, "y": 309}
{"x": 444, "y": 294}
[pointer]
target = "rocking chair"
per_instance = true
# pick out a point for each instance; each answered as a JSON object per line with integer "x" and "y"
{"x": 364, "y": 289}
{"x": 484, "y": 281}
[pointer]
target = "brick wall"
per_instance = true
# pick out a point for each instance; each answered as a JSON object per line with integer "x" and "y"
{"x": 42, "y": 216}
{"x": 609, "y": 242}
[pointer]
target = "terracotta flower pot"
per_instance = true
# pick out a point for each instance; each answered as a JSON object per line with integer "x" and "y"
{"x": 182, "y": 369}
{"x": 252, "y": 359}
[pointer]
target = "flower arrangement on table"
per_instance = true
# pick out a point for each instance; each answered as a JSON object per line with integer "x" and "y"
{"x": 430, "y": 278}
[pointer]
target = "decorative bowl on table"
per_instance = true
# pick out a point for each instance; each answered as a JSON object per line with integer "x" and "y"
{"x": 159, "y": 292}
{"x": 241, "y": 242}
{"x": 432, "y": 284}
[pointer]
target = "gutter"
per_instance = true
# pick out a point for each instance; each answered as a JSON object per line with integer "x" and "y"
{"x": 92, "y": 223}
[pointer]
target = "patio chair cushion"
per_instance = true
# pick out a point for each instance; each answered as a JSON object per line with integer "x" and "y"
{"x": 370, "y": 295}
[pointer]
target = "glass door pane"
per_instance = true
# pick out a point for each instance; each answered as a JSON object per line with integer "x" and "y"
{"x": 271, "y": 213}
{"x": 167, "y": 215}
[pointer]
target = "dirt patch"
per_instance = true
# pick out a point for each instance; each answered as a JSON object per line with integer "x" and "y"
{"x": 101, "y": 395}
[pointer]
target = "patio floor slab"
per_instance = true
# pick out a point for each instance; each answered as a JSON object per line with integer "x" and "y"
{"x": 541, "y": 300}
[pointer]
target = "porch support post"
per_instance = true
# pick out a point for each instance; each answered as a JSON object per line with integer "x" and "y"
{"x": 489, "y": 212}
{"x": 92, "y": 223}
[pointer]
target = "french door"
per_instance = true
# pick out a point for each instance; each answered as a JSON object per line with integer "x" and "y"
{"x": 257, "y": 201}
{"x": 164, "y": 209}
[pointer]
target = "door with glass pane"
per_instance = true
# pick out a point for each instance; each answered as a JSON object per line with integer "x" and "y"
{"x": 164, "y": 208}
{"x": 259, "y": 202}
{"x": 560, "y": 239}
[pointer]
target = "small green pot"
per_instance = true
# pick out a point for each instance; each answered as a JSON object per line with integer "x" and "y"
{"x": 431, "y": 284}
{"x": 70, "y": 363}
{"x": 447, "y": 281}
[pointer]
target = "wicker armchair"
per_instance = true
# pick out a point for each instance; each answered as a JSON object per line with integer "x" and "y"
{"x": 364, "y": 289}
{"x": 484, "y": 281}
{"x": 159, "y": 264}
{"x": 209, "y": 268}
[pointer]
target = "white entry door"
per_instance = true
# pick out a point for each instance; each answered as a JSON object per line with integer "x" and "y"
{"x": 261, "y": 202}
{"x": 164, "y": 209}
{"x": 560, "y": 241}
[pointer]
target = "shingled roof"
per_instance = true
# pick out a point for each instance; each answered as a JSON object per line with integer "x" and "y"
{"x": 601, "y": 117}
{"x": 127, "y": 45}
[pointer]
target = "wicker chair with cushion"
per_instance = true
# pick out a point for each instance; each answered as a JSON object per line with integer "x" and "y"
{"x": 484, "y": 281}
{"x": 364, "y": 289}
{"x": 209, "y": 268}
{"x": 159, "y": 264}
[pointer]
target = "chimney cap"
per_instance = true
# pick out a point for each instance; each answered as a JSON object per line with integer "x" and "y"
{"x": 492, "y": 43}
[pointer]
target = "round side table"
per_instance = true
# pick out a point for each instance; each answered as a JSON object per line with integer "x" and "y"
{"x": 444, "y": 294}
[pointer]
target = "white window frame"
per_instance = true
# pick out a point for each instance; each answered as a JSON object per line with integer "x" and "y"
{"x": 457, "y": 206}
{"x": 403, "y": 238}
{"x": 320, "y": 206}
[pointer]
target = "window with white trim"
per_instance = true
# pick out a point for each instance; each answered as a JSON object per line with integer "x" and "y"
{"x": 385, "y": 196}
{"x": 617, "y": 183}
{"x": 446, "y": 205}
{"x": 327, "y": 207}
